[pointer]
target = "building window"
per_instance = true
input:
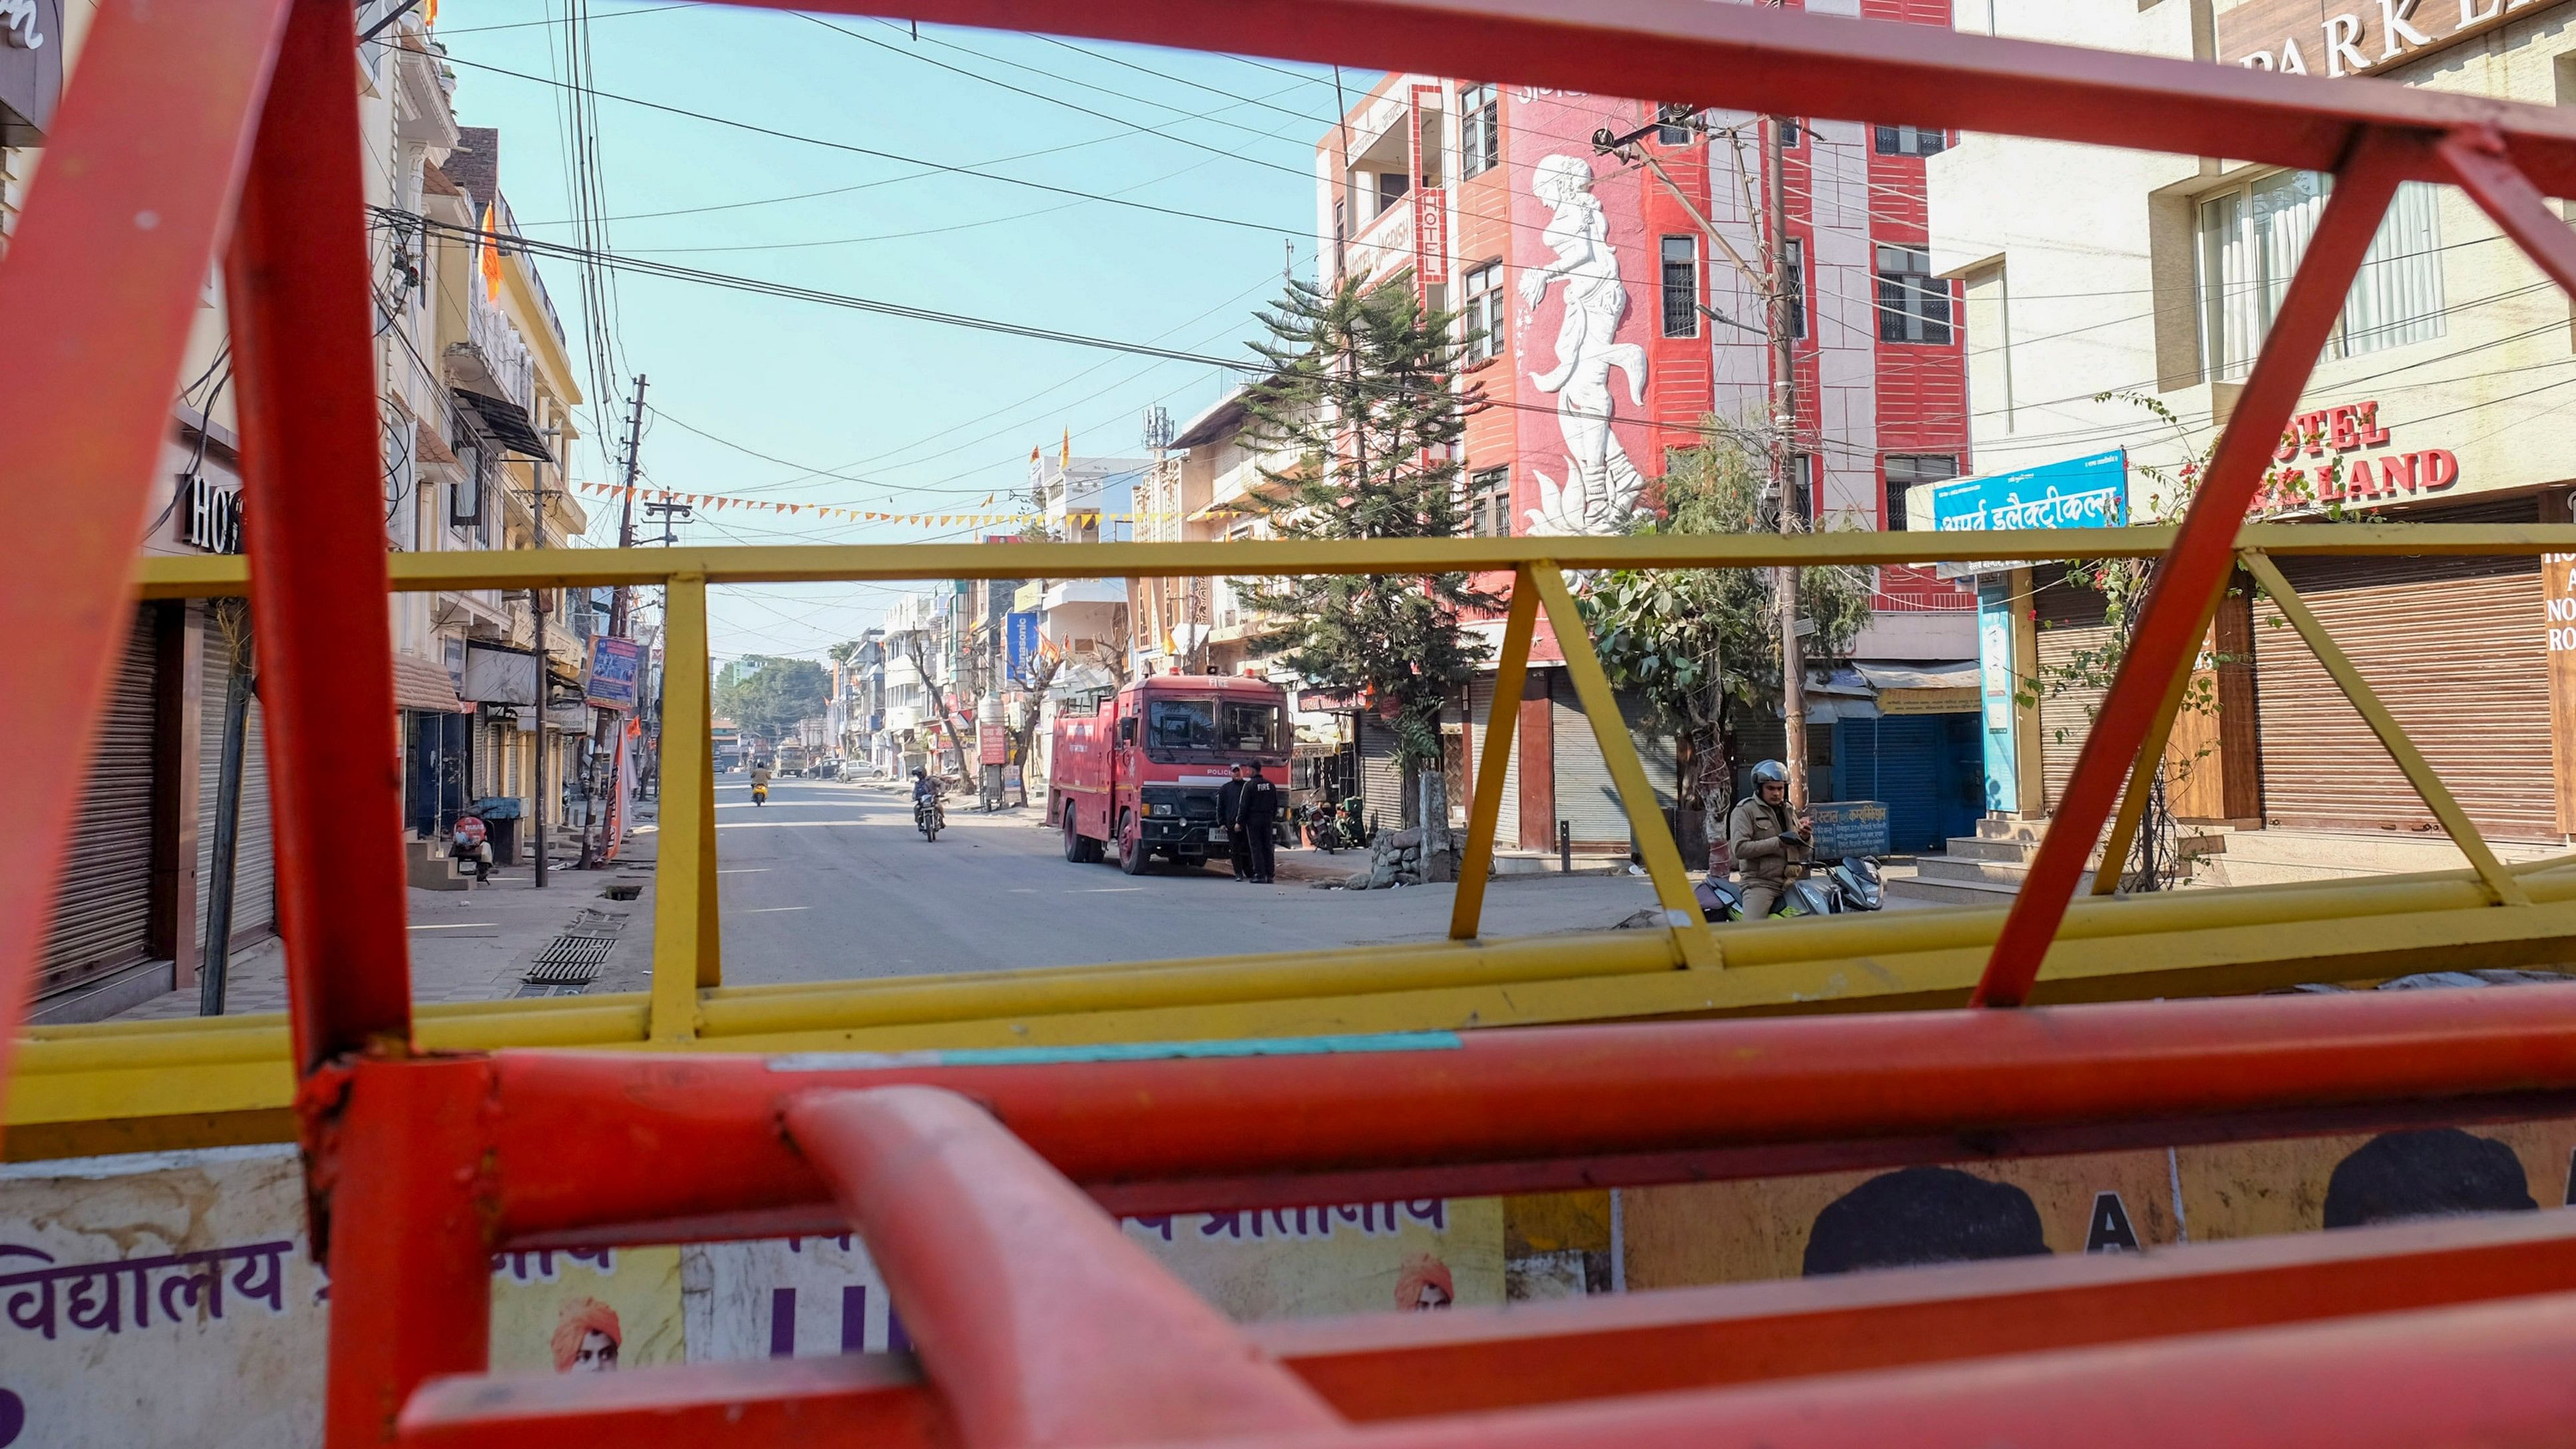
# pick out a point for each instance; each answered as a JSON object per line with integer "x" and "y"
{"x": 1904, "y": 470}
{"x": 1681, "y": 286}
{"x": 465, "y": 497}
{"x": 1484, "y": 312}
{"x": 1391, "y": 186}
{"x": 1674, "y": 124}
{"x": 2251, "y": 240}
{"x": 1791, "y": 133}
{"x": 1480, "y": 137}
{"x": 1489, "y": 503}
{"x": 1912, "y": 141}
{"x": 1913, "y": 305}
{"x": 1794, "y": 270}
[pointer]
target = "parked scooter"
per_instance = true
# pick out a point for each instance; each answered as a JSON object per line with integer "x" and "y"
{"x": 1722, "y": 900}
{"x": 1332, "y": 829}
{"x": 1855, "y": 882}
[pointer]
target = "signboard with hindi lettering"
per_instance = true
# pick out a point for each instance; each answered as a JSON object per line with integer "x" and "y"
{"x": 1849, "y": 827}
{"x": 2087, "y": 492}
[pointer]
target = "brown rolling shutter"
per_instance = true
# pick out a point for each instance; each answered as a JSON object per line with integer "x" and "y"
{"x": 2071, "y": 624}
{"x": 2458, "y": 650}
{"x": 103, "y": 899}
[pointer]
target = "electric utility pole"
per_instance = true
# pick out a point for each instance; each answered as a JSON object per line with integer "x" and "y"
{"x": 603, "y": 740}
{"x": 1779, "y": 290}
{"x": 1786, "y": 475}
{"x": 545, "y": 676}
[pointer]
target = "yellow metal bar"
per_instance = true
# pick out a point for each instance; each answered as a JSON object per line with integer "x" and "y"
{"x": 679, "y": 914}
{"x": 221, "y": 575}
{"x": 710, "y": 910}
{"x": 157, "y": 1093}
{"x": 1484, "y": 815}
{"x": 2500, "y": 883}
{"x": 2142, "y": 770}
{"x": 1691, "y": 935}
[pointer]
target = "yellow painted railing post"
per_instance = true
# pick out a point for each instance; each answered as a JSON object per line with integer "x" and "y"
{"x": 2501, "y": 887}
{"x": 1691, "y": 935}
{"x": 710, "y": 912}
{"x": 1485, "y": 814}
{"x": 680, "y": 913}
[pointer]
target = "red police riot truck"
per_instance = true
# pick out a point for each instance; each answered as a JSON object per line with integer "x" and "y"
{"x": 1140, "y": 775}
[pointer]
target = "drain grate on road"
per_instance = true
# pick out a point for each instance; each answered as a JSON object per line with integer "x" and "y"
{"x": 571, "y": 960}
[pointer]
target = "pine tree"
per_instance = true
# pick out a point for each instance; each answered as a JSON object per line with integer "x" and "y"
{"x": 1359, "y": 401}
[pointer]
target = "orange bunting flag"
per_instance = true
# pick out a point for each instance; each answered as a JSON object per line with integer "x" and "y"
{"x": 491, "y": 258}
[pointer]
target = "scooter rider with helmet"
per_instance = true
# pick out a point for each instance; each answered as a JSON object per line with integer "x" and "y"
{"x": 1768, "y": 840}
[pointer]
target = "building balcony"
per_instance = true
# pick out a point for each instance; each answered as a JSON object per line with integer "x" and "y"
{"x": 1062, "y": 592}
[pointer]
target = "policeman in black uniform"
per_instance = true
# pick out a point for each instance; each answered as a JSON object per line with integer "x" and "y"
{"x": 1229, "y": 812}
{"x": 1260, "y": 823}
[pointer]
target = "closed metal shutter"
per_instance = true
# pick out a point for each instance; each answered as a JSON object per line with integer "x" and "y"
{"x": 1381, "y": 778}
{"x": 103, "y": 898}
{"x": 254, "y": 855}
{"x": 1507, "y": 827}
{"x": 2071, "y": 623}
{"x": 1585, "y": 798}
{"x": 1903, "y": 762}
{"x": 2458, "y": 651}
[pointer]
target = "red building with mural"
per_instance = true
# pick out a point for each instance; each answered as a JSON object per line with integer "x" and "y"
{"x": 1609, "y": 325}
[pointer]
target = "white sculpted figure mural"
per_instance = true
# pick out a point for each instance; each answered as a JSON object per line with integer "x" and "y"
{"x": 1601, "y": 485}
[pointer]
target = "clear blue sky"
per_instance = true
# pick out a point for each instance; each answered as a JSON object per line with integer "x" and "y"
{"x": 914, "y": 416}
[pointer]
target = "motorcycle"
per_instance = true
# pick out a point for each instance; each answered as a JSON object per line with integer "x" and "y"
{"x": 1336, "y": 828}
{"x": 929, "y": 819}
{"x": 760, "y": 794}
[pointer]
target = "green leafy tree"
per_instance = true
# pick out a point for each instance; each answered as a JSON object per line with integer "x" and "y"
{"x": 768, "y": 695}
{"x": 1699, "y": 646}
{"x": 1359, "y": 402}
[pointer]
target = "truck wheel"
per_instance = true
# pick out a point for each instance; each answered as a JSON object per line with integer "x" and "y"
{"x": 1072, "y": 837}
{"x": 1134, "y": 858}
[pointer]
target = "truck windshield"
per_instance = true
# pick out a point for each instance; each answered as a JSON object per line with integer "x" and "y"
{"x": 1200, "y": 727}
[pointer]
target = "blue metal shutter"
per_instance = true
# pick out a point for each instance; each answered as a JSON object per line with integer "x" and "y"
{"x": 1905, "y": 763}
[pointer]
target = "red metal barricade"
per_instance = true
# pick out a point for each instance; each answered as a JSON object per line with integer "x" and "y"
{"x": 226, "y": 129}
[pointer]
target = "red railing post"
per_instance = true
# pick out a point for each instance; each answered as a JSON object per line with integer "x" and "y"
{"x": 100, "y": 286}
{"x": 398, "y": 1154}
{"x": 2169, "y": 628}
{"x": 314, "y": 517}
{"x": 1038, "y": 1321}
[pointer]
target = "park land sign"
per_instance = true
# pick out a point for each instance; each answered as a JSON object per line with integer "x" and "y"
{"x": 2352, "y": 37}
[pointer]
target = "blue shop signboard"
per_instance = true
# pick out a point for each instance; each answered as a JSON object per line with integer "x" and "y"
{"x": 1020, "y": 632}
{"x": 616, "y": 672}
{"x": 2087, "y": 492}
{"x": 1849, "y": 827}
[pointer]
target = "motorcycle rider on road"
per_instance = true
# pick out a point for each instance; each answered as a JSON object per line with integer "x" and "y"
{"x": 925, "y": 791}
{"x": 759, "y": 784}
{"x": 1768, "y": 841}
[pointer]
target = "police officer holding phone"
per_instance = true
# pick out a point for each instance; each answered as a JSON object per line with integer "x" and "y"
{"x": 1768, "y": 840}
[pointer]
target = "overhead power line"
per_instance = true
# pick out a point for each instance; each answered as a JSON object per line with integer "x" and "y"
{"x": 1265, "y": 228}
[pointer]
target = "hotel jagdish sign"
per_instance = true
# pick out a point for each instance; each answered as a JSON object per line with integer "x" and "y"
{"x": 2353, "y": 37}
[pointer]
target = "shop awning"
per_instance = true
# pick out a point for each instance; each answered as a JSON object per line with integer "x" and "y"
{"x": 421, "y": 685}
{"x": 506, "y": 421}
{"x": 1943, "y": 688}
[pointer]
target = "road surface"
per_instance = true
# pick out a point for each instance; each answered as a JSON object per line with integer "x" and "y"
{"x": 829, "y": 880}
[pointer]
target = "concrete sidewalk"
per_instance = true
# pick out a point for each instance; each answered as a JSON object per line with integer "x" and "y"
{"x": 478, "y": 945}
